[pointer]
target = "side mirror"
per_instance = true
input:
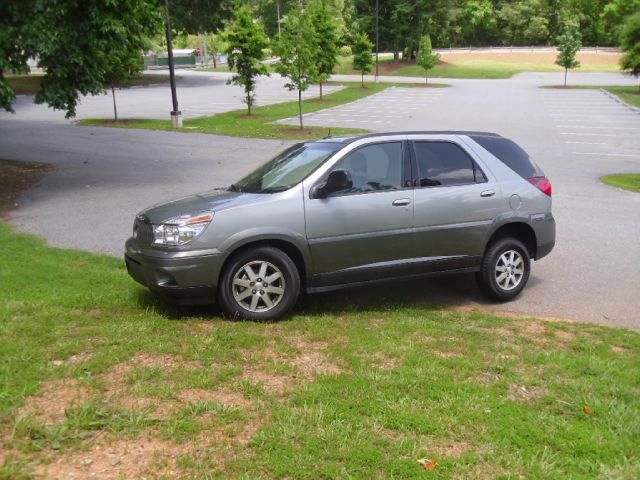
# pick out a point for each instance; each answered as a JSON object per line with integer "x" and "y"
{"x": 337, "y": 181}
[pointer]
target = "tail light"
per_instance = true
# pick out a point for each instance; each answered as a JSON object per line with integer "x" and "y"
{"x": 541, "y": 183}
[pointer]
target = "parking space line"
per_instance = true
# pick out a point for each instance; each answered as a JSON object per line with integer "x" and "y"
{"x": 587, "y": 143}
{"x": 606, "y": 154}
{"x": 591, "y": 127}
{"x": 593, "y": 134}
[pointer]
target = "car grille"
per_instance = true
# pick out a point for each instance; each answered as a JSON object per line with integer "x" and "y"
{"x": 143, "y": 232}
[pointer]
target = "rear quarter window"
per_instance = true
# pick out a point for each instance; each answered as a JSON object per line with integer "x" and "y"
{"x": 509, "y": 153}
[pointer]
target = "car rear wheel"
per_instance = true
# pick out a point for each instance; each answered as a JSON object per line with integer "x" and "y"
{"x": 505, "y": 270}
{"x": 259, "y": 284}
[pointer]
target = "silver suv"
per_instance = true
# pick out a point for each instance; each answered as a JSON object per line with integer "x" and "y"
{"x": 340, "y": 212}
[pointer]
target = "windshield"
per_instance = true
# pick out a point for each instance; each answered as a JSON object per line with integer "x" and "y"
{"x": 287, "y": 169}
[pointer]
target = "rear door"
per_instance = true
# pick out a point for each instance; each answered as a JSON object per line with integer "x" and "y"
{"x": 455, "y": 202}
{"x": 365, "y": 232}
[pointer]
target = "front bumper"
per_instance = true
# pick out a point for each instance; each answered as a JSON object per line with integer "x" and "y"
{"x": 178, "y": 273}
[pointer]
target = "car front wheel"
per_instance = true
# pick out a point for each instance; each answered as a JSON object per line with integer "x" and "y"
{"x": 259, "y": 284}
{"x": 505, "y": 270}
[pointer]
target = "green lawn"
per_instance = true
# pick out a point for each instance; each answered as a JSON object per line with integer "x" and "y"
{"x": 465, "y": 67}
{"x": 259, "y": 124}
{"x": 100, "y": 377}
{"x": 628, "y": 181}
{"x": 628, "y": 94}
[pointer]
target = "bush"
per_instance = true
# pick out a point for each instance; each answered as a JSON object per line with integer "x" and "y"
{"x": 345, "y": 51}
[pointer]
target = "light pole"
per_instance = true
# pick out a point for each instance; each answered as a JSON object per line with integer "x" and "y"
{"x": 176, "y": 115}
{"x": 377, "y": 79}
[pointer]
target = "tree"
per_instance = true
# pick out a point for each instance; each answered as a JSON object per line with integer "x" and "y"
{"x": 630, "y": 45}
{"x": 247, "y": 42}
{"x": 119, "y": 70}
{"x": 199, "y": 16}
{"x": 362, "y": 59}
{"x": 326, "y": 39}
{"x": 426, "y": 58}
{"x": 297, "y": 48}
{"x": 568, "y": 45}
{"x": 80, "y": 45}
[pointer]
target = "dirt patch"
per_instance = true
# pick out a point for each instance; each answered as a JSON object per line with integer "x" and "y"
{"x": 231, "y": 399}
{"x": 55, "y": 397}
{"x": 15, "y": 177}
{"x": 521, "y": 393}
{"x": 449, "y": 354}
{"x": 308, "y": 363}
{"x": 132, "y": 458}
{"x": 116, "y": 378}
{"x": 564, "y": 336}
{"x": 296, "y": 132}
{"x": 73, "y": 359}
{"x": 452, "y": 449}
{"x": 542, "y": 58}
{"x": 619, "y": 349}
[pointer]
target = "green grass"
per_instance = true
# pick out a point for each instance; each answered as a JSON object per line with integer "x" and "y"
{"x": 357, "y": 384}
{"x": 259, "y": 125}
{"x": 628, "y": 94}
{"x": 628, "y": 181}
{"x": 469, "y": 68}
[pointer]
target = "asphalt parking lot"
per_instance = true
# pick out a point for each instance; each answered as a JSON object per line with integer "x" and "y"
{"x": 575, "y": 135}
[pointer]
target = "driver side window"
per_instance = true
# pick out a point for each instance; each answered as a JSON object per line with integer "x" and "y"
{"x": 373, "y": 168}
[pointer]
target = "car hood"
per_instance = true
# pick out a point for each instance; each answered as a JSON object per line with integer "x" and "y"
{"x": 212, "y": 201}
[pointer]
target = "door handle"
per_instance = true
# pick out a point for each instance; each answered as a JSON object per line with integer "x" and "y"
{"x": 488, "y": 193}
{"x": 401, "y": 202}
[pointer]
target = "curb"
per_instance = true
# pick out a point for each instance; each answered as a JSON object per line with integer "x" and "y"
{"x": 616, "y": 98}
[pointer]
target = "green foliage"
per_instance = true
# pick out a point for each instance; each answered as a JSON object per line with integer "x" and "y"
{"x": 362, "y": 59}
{"x": 326, "y": 40}
{"x": 426, "y": 59}
{"x": 247, "y": 43}
{"x": 630, "y": 45}
{"x": 568, "y": 45}
{"x": 81, "y": 45}
{"x": 297, "y": 48}
{"x": 198, "y": 16}
{"x": 345, "y": 51}
{"x": 613, "y": 18}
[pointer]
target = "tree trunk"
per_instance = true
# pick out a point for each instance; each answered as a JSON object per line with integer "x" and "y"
{"x": 362, "y": 78}
{"x": 300, "y": 107}
{"x": 215, "y": 65}
{"x": 115, "y": 109}
{"x": 249, "y": 101}
{"x": 426, "y": 78}
{"x": 320, "y": 90}
{"x": 565, "y": 77}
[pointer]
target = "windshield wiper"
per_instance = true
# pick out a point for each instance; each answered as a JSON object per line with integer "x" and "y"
{"x": 234, "y": 188}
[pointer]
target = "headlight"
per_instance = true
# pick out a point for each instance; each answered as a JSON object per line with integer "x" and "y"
{"x": 182, "y": 229}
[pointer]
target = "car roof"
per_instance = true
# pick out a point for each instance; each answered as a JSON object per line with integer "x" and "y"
{"x": 347, "y": 140}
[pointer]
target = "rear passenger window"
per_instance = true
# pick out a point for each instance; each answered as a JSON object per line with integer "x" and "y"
{"x": 445, "y": 163}
{"x": 510, "y": 153}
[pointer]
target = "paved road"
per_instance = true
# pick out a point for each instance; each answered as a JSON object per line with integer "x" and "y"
{"x": 104, "y": 176}
{"x": 199, "y": 93}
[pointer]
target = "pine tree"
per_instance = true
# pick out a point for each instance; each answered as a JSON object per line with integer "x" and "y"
{"x": 297, "y": 48}
{"x": 362, "y": 59}
{"x": 568, "y": 44}
{"x": 247, "y": 42}
{"x": 426, "y": 58}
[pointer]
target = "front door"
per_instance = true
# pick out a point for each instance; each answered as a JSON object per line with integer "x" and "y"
{"x": 365, "y": 232}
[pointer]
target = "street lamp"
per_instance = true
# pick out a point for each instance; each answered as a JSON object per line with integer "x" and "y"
{"x": 176, "y": 115}
{"x": 377, "y": 79}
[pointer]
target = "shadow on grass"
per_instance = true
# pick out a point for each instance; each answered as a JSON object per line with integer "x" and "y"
{"x": 432, "y": 293}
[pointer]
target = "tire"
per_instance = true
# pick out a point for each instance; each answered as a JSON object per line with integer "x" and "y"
{"x": 273, "y": 296}
{"x": 505, "y": 270}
